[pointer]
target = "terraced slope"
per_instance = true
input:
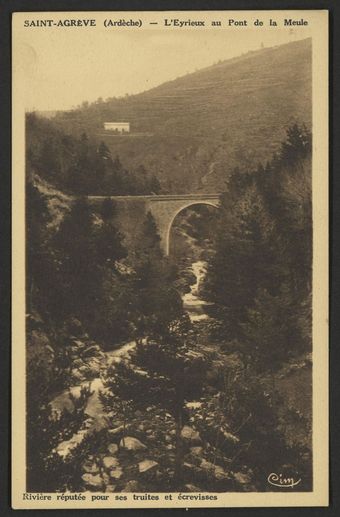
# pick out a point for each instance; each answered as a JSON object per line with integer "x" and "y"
{"x": 192, "y": 131}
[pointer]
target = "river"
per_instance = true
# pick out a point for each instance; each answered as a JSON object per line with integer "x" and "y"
{"x": 194, "y": 306}
{"x": 192, "y": 302}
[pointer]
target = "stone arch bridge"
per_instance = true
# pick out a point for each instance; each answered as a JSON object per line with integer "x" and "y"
{"x": 131, "y": 211}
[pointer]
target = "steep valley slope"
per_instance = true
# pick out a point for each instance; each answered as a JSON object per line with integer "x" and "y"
{"x": 193, "y": 131}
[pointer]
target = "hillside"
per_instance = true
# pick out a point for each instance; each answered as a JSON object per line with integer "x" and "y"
{"x": 193, "y": 131}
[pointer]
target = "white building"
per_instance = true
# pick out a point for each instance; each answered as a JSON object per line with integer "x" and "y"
{"x": 117, "y": 127}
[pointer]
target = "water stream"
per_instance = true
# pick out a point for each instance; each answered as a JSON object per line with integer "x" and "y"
{"x": 194, "y": 306}
{"x": 192, "y": 302}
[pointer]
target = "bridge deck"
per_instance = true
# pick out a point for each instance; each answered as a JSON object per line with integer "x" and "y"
{"x": 162, "y": 197}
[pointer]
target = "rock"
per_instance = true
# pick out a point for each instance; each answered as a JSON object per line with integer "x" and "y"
{"x": 106, "y": 478}
{"x": 196, "y": 451}
{"x": 218, "y": 472}
{"x": 192, "y": 488}
{"x": 189, "y": 468}
{"x": 138, "y": 413}
{"x": 68, "y": 446}
{"x": 169, "y": 447}
{"x": 76, "y": 375}
{"x": 231, "y": 438}
{"x": 147, "y": 465}
{"x": 93, "y": 366}
{"x": 168, "y": 438}
{"x": 141, "y": 427}
{"x": 116, "y": 430}
{"x": 112, "y": 448}
{"x": 193, "y": 405}
{"x": 90, "y": 467}
{"x": 91, "y": 350}
{"x": 77, "y": 363}
{"x": 189, "y": 434}
{"x": 116, "y": 473}
{"x": 244, "y": 480}
{"x": 110, "y": 488}
{"x": 132, "y": 486}
{"x": 241, "y": 478}
{"x": 88, "y": 423}
{"x": 110, "y": 462}
{"x": 74, "y": 326}
{"x": 92, "y": 481}
{"x": 131, "y": 444}
{"x": 77, "y": 344}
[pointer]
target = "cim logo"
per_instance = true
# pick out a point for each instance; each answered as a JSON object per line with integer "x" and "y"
{"x": 282, "y": 482}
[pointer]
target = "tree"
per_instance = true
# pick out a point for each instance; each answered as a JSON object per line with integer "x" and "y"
{"x": 156, "y": 300}
{"x": 259, "y": 278}
{"x": 109, "y": 239}
{"x": 168, "y": 369}
{"x": 77, "y": 262}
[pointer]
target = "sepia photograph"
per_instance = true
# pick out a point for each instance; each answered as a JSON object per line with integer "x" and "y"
{"x": 169, "y": 234}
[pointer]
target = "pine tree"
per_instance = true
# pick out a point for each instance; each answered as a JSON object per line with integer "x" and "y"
{"x": 259, "y": 279}
{"x": 168, "y": 369}
{"x": 156, "y": 300}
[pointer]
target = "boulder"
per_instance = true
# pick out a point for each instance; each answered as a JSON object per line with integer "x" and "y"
{"x": 88, "y": 423}
{"x": 91, "y": 351}
{"x": 77, "y": 376}
{"x": 93, "y": 366}
{"x": 189, "y": 434}
{"x": 244, "y": 480}
{"x": 147, "y": 466}
{"x": 74, "y": 326}
{"x": 231, "y": 438}
{"x": 110, "y": 461}
{"x": 192, "y": 488}
{"x": 215, "y": 470}
{"x": 196, "y": 451}
{"x": 132, "y": 486}
{"x": 92, "y": 481}
{"x": 67, "y": 447}
{"x": 116, "y": 430}
{"x": 190, "y": 469}
{"x": 131, "y": 444}
{"x": 193, "y": 405}
{"x": 116, "y": 473}
{"x": 90, "y": 467}
{"x": 106, "y": 478}
{"x": 78, "y": 363}
{"x": 112, "y": 448}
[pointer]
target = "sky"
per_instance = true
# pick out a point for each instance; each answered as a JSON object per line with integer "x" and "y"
{"x": 63, "y": 68}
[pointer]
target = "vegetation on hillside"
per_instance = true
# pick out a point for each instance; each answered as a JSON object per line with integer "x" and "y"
{"x": 260, "y": 276}
{"x": 203, "y": 125}
{"x": 79, "y": 165}
{"x": 191, "y": 408}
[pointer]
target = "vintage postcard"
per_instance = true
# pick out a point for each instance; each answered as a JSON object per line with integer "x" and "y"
{"x": 170, "y": 259}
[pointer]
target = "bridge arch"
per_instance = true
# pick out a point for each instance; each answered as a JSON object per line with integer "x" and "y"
{"x": 166, "y": 237}
{"x": 131, "y": 210}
